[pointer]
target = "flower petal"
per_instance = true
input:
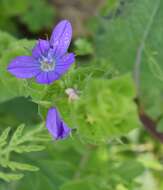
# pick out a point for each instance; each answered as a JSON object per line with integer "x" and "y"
{"x": 66, "y": 131}
{"x": 42, "y": 78}
{"x": 64, "y": 64}
{"x": 24, "y": 67}
{"x": 56, "y": 127}
{"x": 41, "y": 48}
{"x": 47, "y": 77}
{"x": 52, "y": 76}
{"x": 61, "y": 37}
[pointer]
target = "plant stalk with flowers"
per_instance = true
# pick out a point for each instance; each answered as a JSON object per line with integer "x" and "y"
{"x": 83, "y": 104}
{"x": 85, "y": 110}
{"x": 49, "y": 61}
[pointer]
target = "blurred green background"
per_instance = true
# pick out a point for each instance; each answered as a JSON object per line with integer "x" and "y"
{"x": 108, "y": 35}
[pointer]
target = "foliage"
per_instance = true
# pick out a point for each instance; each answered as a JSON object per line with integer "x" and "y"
{"x": 11, "y": 87}
{"x": 117, "y": 77}
{"x": 129, "y": 38}
{"x": 34, "y": 14}
{"x": 18, "y": 143}
{"x": 83, "y": 47}
{"x": 105, "y": 115}
{"x": 43, "y": 14}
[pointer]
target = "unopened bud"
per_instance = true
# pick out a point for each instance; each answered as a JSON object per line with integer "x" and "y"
{"x": 72, "y": 94}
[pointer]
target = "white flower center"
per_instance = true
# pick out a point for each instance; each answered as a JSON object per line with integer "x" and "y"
{"x": 47, "y": 64}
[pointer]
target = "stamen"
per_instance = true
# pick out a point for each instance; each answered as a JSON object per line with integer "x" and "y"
{"x": 47, "y": 67}
{"x": 47, "y": 64}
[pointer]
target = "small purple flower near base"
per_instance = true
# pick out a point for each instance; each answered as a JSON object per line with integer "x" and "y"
{"x": 49, "y": 60}
{"x": 56, "y": 126}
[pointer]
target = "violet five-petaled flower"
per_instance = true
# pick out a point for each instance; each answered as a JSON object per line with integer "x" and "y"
{"x": 55, "y": 125}
{"x": 49, "y": 59}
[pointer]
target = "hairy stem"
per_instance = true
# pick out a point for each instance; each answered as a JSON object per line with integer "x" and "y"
{"x": 150, "y": 125}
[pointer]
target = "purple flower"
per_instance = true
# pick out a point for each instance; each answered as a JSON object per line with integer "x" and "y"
{"x": 49, "y": 60}
{"x": 56, "y": 125}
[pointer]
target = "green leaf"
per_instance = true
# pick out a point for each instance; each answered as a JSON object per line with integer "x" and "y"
{"x": 80, "y": 185}
{"x": 4, "y": 136}
{"x": 43, "y": 14}
{"x": 14, "y": 7}
{"x": 10, "y": 86}
{"x": 106, "y": 109}
{"x": 29, "y": 148}
{"x": 130, "y": 169}
{"x": 17, "y": 135}
{"x": 148, "y": 160}
{"x": 127, "y": 38}
{"x": 21, "y": 166}
{"x": 10, "y": 177}
{"x": 121, "y": 187}
{"x": 5, "y": 41}
{"x": 83, "y": 47}
{"x": 109, "y": 7}
{"x": 19, "y": 143}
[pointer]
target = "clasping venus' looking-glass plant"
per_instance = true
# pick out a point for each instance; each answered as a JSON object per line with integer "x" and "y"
{"x": 49, "y": 60}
